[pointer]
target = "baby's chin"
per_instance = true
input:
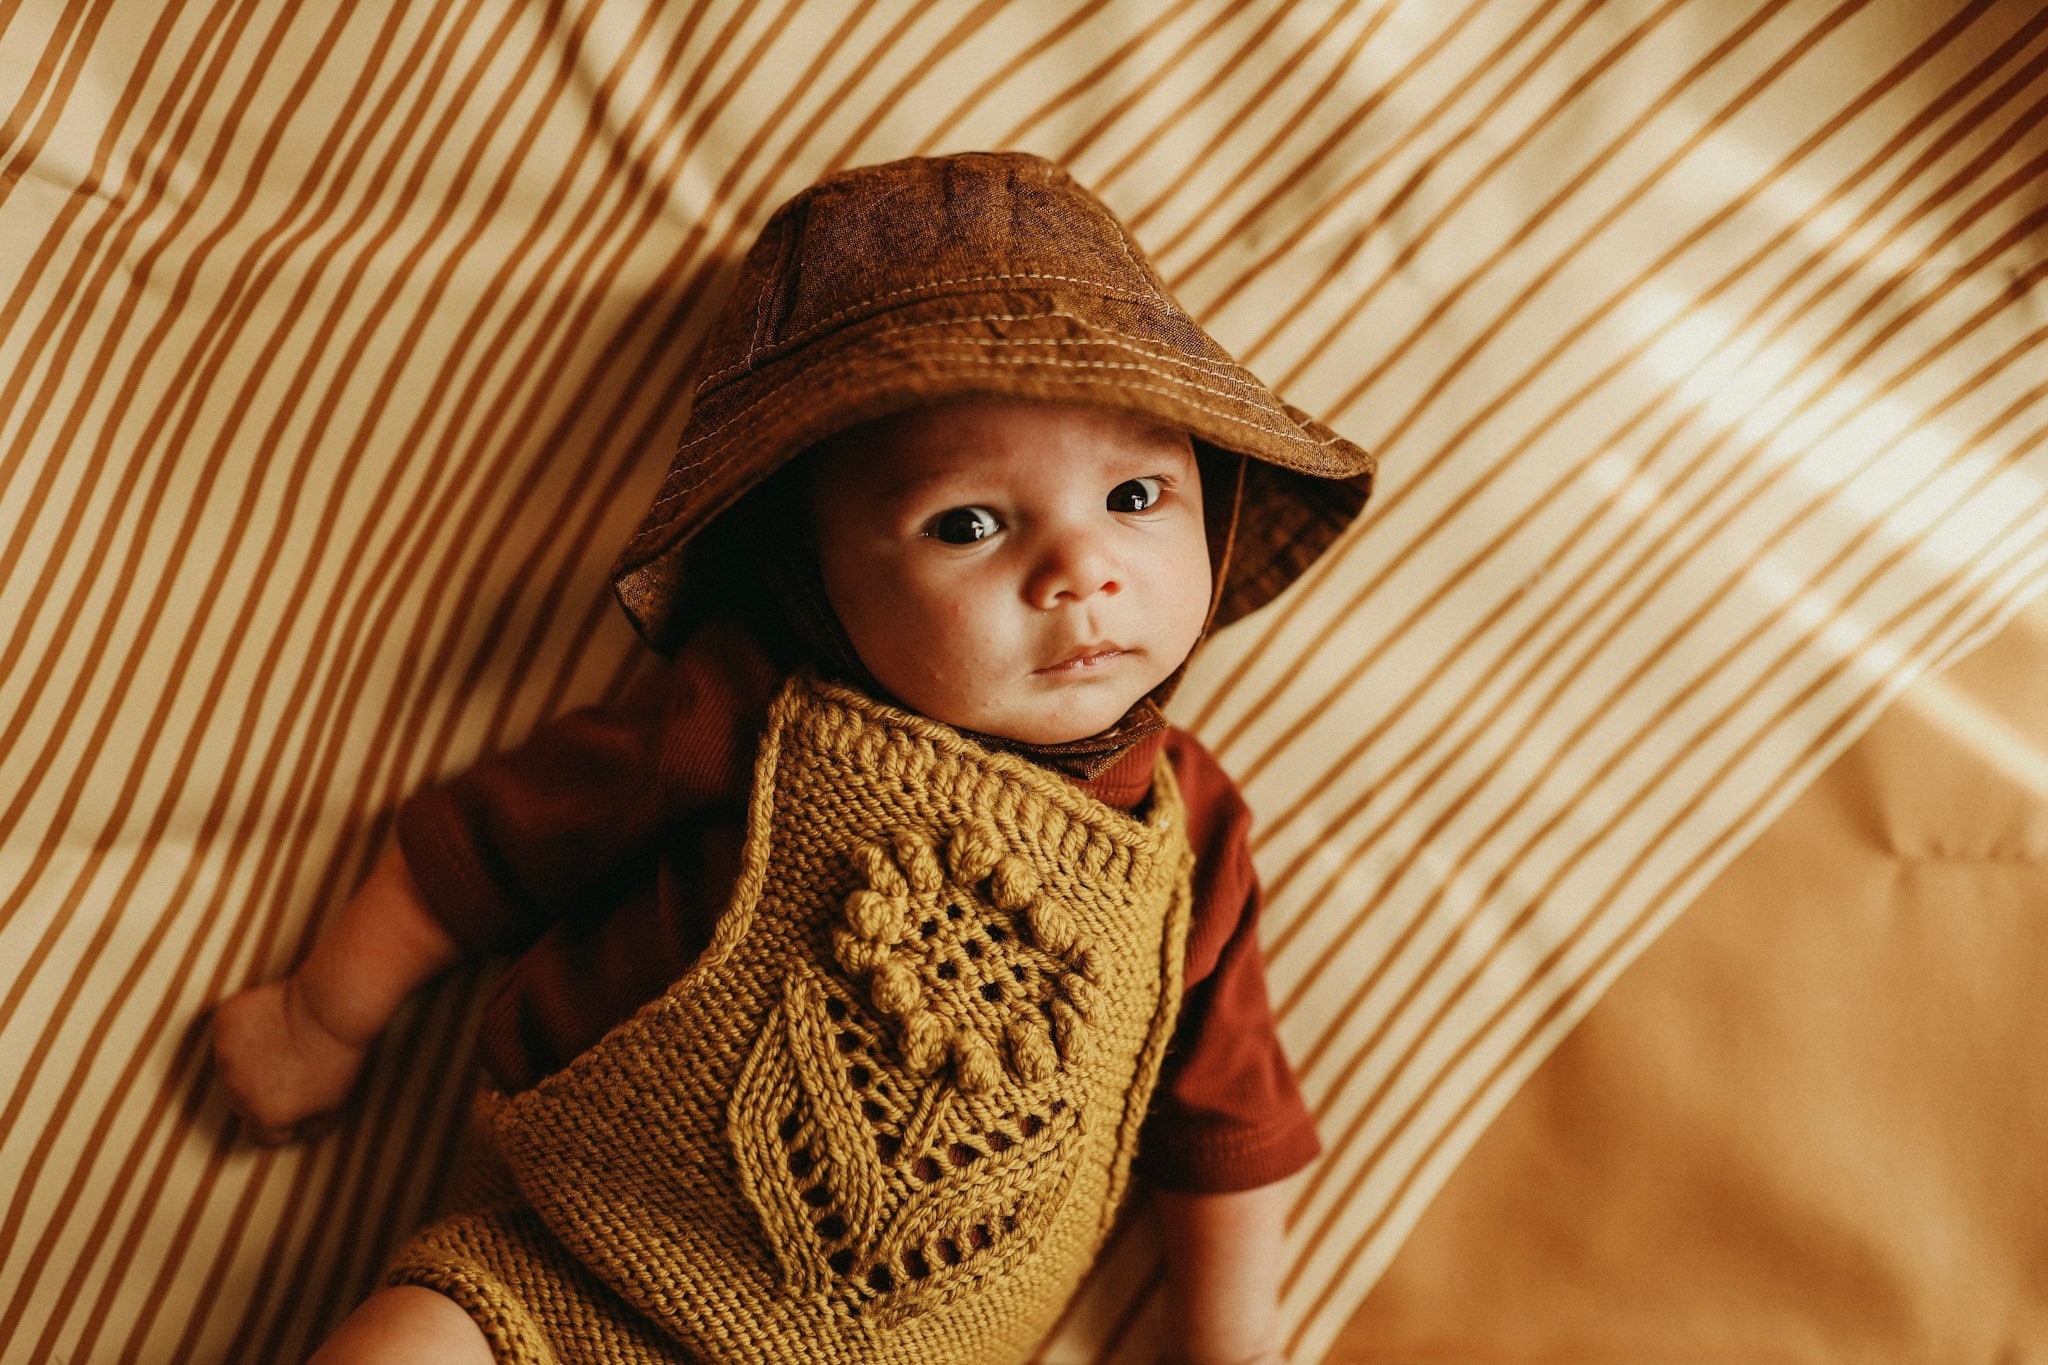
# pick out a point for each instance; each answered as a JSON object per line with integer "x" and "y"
{"x": 1037, "y": 710}
{"x": 1050, "y": 723}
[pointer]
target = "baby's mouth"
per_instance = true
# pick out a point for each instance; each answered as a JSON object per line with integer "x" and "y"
{"x": 1083, "y": 658}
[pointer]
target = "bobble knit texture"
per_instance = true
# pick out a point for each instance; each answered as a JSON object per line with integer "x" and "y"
{"x": 889, "y": 1115}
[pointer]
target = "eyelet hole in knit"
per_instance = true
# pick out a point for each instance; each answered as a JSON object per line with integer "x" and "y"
{"x": 910, "y": 1126}
{"x": 967, "y": 973}
{"x": 978, "y": 975}
{"x": 946, "y": 1008}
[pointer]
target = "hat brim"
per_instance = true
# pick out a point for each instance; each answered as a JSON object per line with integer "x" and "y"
{"x": 1305, "y": 485}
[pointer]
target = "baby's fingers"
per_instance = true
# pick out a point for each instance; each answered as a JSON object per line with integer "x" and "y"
{"x": 277, "y": 1133}
{"x": 282, "y": 1081}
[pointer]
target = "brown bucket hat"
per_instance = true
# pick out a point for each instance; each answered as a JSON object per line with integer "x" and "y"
{"x": 982, "y": 274}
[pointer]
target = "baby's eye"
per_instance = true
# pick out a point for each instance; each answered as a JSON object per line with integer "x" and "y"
{"x": 963, "y": 525}
{"x": 1133, "y": 495}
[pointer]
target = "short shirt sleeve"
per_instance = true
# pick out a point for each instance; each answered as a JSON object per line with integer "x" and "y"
{"x": 569, "y": 821}
{"x": 1227, "y": 1114}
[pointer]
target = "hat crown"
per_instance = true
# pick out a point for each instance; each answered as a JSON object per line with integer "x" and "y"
{"x": 878, "y": 237}
{"x": 987, "y": 275}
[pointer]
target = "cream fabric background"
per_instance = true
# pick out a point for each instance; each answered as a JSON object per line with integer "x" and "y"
{"x": 1804, "y": 1125}
{"x": 1701, "y": 341}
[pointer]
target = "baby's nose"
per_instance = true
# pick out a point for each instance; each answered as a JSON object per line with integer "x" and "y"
{"x": 1073, "y": 569}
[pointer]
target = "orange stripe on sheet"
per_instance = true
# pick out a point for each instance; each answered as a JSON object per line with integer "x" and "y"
{"x": 1554, "y": 764}
{"x": 182, "y": 546}
{"x": 1528, "y": 1037}
{"x": 1584, "y": 580}
{"x": 406, "y": 727}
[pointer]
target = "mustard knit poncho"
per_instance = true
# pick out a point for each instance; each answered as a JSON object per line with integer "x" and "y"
{"x": 888, "y": 1116}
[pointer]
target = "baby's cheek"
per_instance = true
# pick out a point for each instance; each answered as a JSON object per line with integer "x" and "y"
{"x": 1155, "y": 602}
{"x": 927, "y": 639}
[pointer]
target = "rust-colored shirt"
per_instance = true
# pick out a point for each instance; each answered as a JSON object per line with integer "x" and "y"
{"x": 603, "y": 849}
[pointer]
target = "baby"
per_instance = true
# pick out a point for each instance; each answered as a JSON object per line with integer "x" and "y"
{"x": 869, "y": 948}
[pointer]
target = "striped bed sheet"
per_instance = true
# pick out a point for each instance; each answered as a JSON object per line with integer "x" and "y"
{"x": 340, "y": 346}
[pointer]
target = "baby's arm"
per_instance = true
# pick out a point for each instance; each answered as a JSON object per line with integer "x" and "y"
{"x": 1223, "y": 1269}
{"x": 289, "y": 1050}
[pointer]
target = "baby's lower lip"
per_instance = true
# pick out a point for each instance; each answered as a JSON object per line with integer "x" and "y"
{"x": 1082, "y": 662}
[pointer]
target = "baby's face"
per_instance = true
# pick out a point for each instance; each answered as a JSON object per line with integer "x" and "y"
{"x": 1024, "y": 570}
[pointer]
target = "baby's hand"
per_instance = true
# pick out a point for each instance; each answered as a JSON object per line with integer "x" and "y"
{"x": 283, "y": 1068}
{"x": 1224, "y": 1260}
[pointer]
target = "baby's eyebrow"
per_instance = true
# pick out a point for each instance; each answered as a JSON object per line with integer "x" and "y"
{"x": 1161, "y": 441}
{"x": 913, "y": 487}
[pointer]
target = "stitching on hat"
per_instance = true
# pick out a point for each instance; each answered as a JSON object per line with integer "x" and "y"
{"x": 681, "y": 491}
{"x": 785, "y": 400}
{"x": 1130, "y": 341}
{"x": 758, "y": 411}
{"x": 868, "y": 302}
{"x": 1123, "y": 238}
{"x": 1059, "y": 363}
{"x": 1215, "y": 370}
{"x": 1174, "y": 357}
{"x": 1222, "y": 369}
